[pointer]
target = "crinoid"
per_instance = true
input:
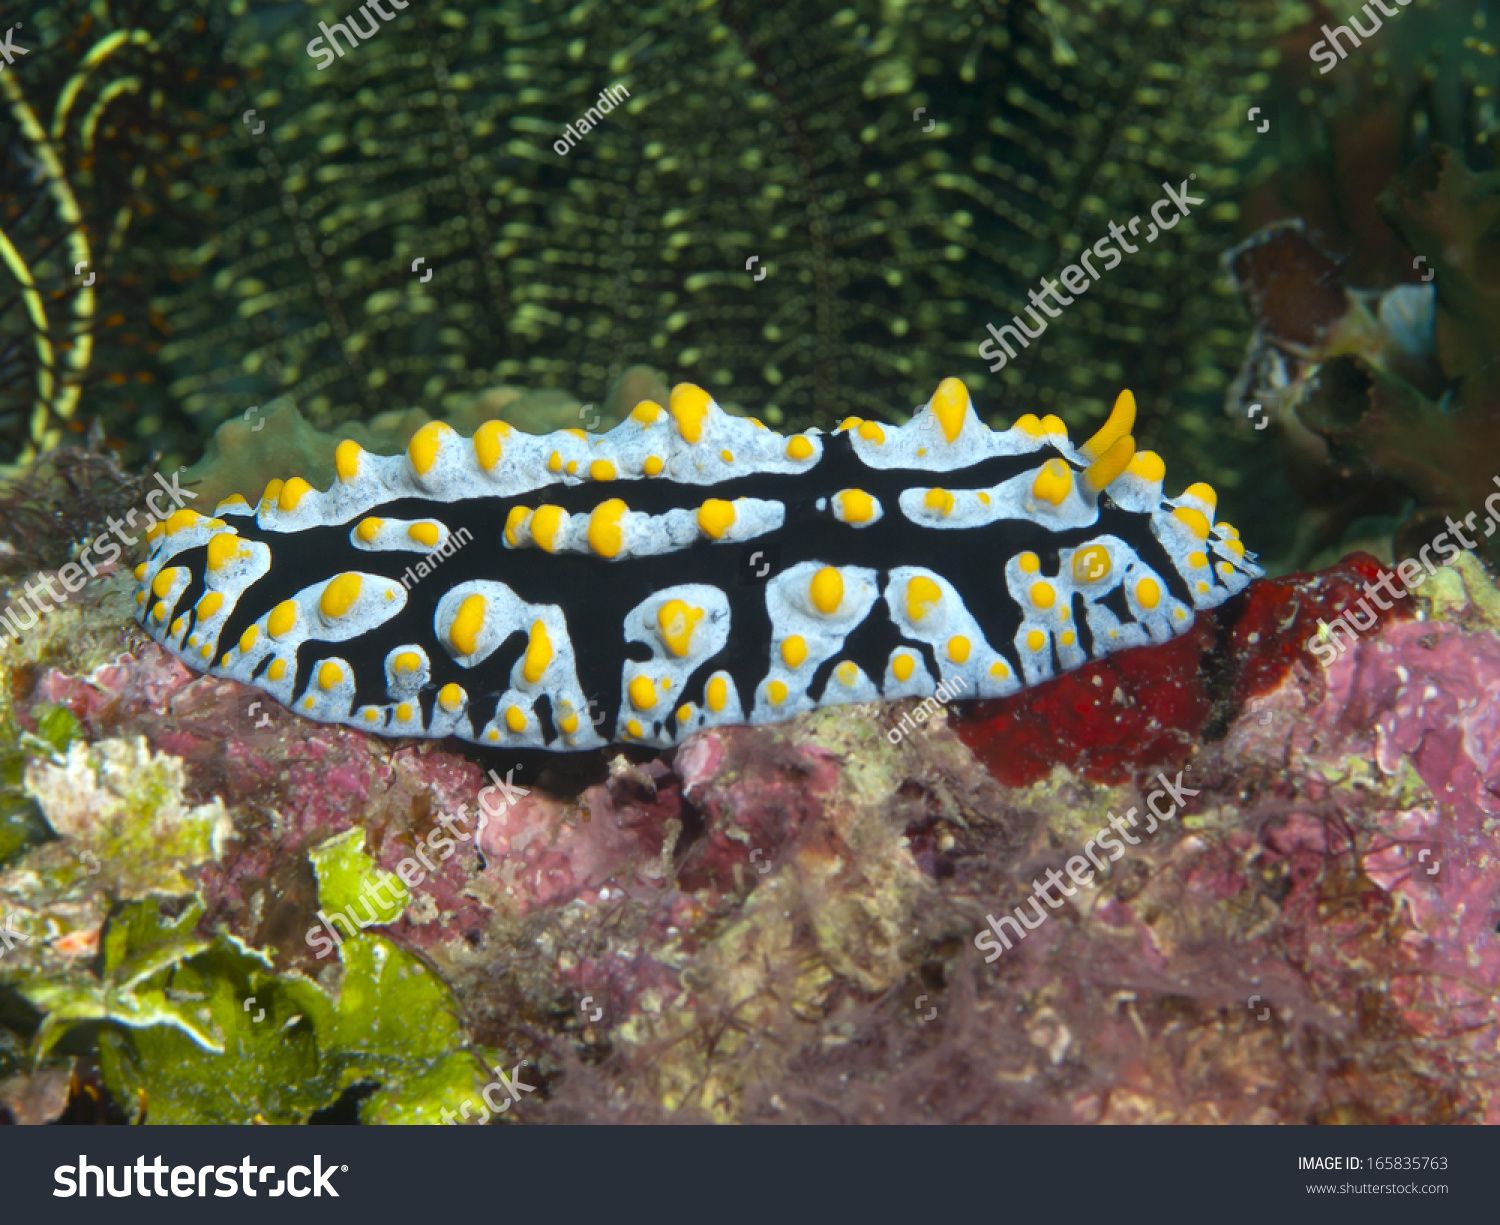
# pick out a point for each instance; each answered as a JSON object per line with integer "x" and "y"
{"x": 97, "y": 118}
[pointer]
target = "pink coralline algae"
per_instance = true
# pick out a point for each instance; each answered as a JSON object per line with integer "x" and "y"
{"x": 778, "y": 923}
{"x": 1424, "y": 697}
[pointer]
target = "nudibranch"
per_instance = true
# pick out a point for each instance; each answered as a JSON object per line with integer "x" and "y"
{"x": 687, "y": 569}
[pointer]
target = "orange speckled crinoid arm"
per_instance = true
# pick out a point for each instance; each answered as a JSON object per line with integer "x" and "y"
{"x": 685, "y": 570}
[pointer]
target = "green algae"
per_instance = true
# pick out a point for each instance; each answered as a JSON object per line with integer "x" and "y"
{"x": 347, "y": 875}
{"x": 204, "y": 1030}
{"x": 198, "y": 1027}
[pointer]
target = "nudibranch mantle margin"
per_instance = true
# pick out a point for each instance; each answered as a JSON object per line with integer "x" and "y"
{"x": 687, "y": 569}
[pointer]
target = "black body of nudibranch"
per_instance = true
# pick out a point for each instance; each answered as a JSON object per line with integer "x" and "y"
{"x": 687, "y": 569}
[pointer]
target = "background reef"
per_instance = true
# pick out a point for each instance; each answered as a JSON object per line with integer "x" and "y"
{"x": 783, "y": 132}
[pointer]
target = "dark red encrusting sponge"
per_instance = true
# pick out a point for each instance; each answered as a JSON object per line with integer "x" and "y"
{"x": 1139, "y": 711}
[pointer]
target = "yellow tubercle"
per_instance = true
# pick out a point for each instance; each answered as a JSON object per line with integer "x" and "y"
{"x": 717, "y": 694}
{"x": 181, "y": 520}
{"x": 677, "y": 621}
{"x": 292, "y": 493}
{"x": 282, "y": 619}
{"x": 1203, "y": 492}
{"x": 247, "y": 639}
{"x": 1148, "y": 592}
{"x": 339, "y": 596}
{"x": 404, "y": 712}
{"x": 827, "y": 590}
{"x": 222, "y": 549}
{"x": 1103, "y": 471}
{"x": 209, "y": 605}
{"x": 939, "y": 500}
{"x": 903, "y": 666}
{"x": 634, "y": 730}
{"x": 642, "y": 693}
{"x": 689, "y": 407}
{"x": 407, "y": 661}
{"x": 568, "y": 724}
{"x": 1148, "y": 466}
{"x": 329, "y": 676}
{"x": 870, "y": 431}
{"x": 1043, "y": 595}
{"x": 685, "y": 714}
{"x": 277, "y": 669}
{"x": 489, "y": 445}
{"x": 1028, "y": 424}
{"x": 606, "y": 531}
{"x": 515, "y": 720}
{"x": 776, "y": 693}
{"x": 653, "y": 465}
{"x": 958, "y": 649}
{"x": 646, "y": 412}
{"x": 1036, "y": 640}
{"x": 554, "y": 462}
{"x": 346, "y": 459}
{"x": 601, "y": 470}
{"x": 467, "y": 622}
{"x": 451, "y": 697}
{"x": 1091, "y": 564}
{"x": 1053, "y": 483}
{"x": 272, "y": 491}
{"x": 715, "y": 517}
{"x": 855, "y": 505}
{"x": 794, "y": 651}
{"x": 1030, "y": 563}
{"x": 799, "y": 447}
{"x": 425, "y": 534}
{"x": 514, "y": 521}
{"x": 1120, "y": 423}
{"x": 1194, "y": 518}
{"x": 538, "y": 653}
{"x": 369, "y": 529}
{"x": 921, "y": 594}
{"x": 165, "y": 580}
{"x": 545, "y": 524}
{"x": 950, "y": 405}
{"x": 1054, "y": 425}
{"x": 422, "y": 450}
{"x": 847, "y": 673}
